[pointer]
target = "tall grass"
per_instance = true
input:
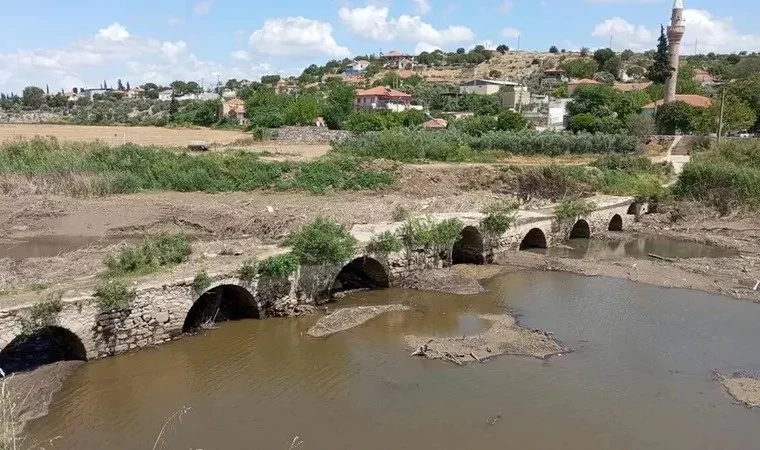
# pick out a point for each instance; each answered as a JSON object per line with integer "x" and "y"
{"x": 96, "y": 169}
{"x": 153, "y": 253}
{"x": 450, "y": 145}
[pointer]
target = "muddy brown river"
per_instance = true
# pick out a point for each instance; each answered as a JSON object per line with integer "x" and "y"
{"x": 640, "y": 378}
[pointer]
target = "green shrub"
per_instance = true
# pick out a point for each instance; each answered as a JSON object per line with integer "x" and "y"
{"x": 42, "y": 314}
{"x": 570, "y": 209}
{"x": 400, "y": 213}
{"x": 281, "y": 266}
{"x": 555, "y": 181}
{"x": 422, "y": 232}
{"x": 258, "y": 134}
{"x": 153, "y": 253}
{"x": 499, "y": 217}
{"x": 322, "y": 242}
{"x": 384, "y": 243}
{"x": 247, "y": 272}
{"x": 113, "y": 295}
{"x": 201, "y": 282}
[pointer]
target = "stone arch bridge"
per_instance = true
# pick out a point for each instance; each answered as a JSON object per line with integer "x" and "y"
{"x": 164, "y": 311}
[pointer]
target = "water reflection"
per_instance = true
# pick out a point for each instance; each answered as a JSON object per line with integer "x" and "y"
{"x": 48, "y": 246}
{"x": 637, "y": 247}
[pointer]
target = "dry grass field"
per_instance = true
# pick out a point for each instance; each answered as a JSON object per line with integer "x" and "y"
{"x": 115, "y": 135}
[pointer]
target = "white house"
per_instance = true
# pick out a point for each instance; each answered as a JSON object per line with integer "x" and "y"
{"x": 484, "y": 87}
{"x": 166, "y": 95}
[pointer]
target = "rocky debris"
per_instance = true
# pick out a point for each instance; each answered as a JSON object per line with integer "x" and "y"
{"x": 347, "y": 318}
{"x": 448, "y": 280}
{"x": 310, "y": 134}
{"x": 504, "y": 337}
{"x": 743, "y": 388}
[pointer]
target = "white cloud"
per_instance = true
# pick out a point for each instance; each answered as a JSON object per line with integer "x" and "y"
{"x": 203, "y": 7}
{"x": 114, "y": 32}
{"x": 112, "y": 53}
{"x": 297, "y": 36}
{"x": 713, "y": 34}
{"x": 423, "y": 6}
{"x": 510, "y": 32}
{"x": 240, "y": 55}
{"x": 506, "y": 6}
{"x": 374, "y": 23}
{"x": 173, "y": 20}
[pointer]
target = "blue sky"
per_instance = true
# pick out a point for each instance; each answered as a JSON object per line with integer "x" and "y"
{"x": 82, "y": 42}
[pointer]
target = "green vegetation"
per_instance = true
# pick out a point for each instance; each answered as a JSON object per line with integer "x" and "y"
{"x": 322, "y": 242}
{"x": 201, "y": 282}
{"x": 247, "y": 272}
{"x": 450, "y": 145}
{"x": 400, "y": 213}
{"x": 96, "y": 169}
{"x": 499, "y": 217}
{"x": 153, "y": 253}
{"x": 384, "y": 243}
{"x": 42, "y": 314}
{"x": 281, "y": 266}
{"x": 568, "y": 210}
{"x": 424, "y": 233}
{"x": 362, "y": 121}
{"x": 113, "y": 295}
{"x": 726, "y": 178}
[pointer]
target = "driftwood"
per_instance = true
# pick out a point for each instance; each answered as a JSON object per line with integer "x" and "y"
{"x": 661, "y": 258}
{"x": 425, "y": 350}
{"x": 475, "y": 357}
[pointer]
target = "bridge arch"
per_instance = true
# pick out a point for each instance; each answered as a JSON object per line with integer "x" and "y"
{"x": 616, "y": 223}
{"x": 223, "y": 303}
{"x": 361, "y": 273}
{"x": 44, "y": 346}
{"x": 534, "y": 239}
{"x": 581, "y": 230}
{"x": 469, "y": 248}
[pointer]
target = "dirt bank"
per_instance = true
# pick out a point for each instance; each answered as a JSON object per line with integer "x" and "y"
{"x": 743, "y": 389}
{"x": 504, "y": 337}
{"x": 32, "y": 392}
{"x": 450, "y": 281}
{"x": 347, "y": 318}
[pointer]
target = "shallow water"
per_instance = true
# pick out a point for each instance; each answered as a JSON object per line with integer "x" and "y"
{"x": 640, "y": 378}
{"x": 636, "y": 247}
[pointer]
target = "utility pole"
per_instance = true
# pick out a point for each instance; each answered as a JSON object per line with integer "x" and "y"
{"x": 610, "y": 42}
{"x": 722, "y": 108}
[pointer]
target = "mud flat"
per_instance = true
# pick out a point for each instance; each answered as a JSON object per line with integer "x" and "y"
{"x": 347, "y": 318}
{"x": 504, "y": 337}
{"x": 449, "y": 281}
{"x": 744, "y": 389}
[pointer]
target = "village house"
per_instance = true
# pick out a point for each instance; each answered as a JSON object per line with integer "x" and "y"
{"x": 553, "y": 77}
{"x": 515, "y": 97}
{"x": 382, "y": 97}
{"x": 396, "y": 59}
{"x": 484, "y": 87}
{"x": 166, "y": 95}
{"x": 357, "y": 68}
{"x": 233, "y": 110}
{"x": 703, "y": 77}
{"x": 135, "y": 92}
{"x": 697, "y": 101}
{"x": 573, "y": 85}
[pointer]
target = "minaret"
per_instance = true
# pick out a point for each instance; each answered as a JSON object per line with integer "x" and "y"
{"x": 676, "y": 29}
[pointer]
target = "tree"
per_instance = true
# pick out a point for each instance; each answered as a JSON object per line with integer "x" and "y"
{"x": 105, "y": 85}
{"x": 585, "y": 51}
{"x": 173, "y": 107}
{"x": 128, "y": 88}
{"x": 580, "y": 68}
{"x": 597, "y": 100}
{"x": 738, "y": 116}
{"x": 511, "y": 121}
{"x": 602, "y": 55}
{"x": 627, "y": 54}
{"x": 340, "y": 103}
{"x": 502, "y": 48}
{"x": 613, "y": 65}
{"x": 640, "y": 126}
{"x": 461, "y": 51}
{"x": 193, "y": 88}
{"x": 32, "y": 97}
{"x": 676, "y": 116}
{"x": 47, "y": 89}
{"x": 179, "y": 87}
{"x": 553, "y": 49}
{"x": 493, "y": 73}
{"x": 270, "y": 79}
{"x": 119, "y": 86}
{"x": 661, "y": 70}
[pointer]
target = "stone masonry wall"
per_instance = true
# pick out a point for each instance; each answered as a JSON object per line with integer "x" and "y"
{"x": 310, "y": 134}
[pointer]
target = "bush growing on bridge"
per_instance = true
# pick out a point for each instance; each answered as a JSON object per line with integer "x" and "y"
{"x": 424, "y": 233}
{"x": 153, "y": 253}
{"x": 569, "y": 210}
{"x": 322, "y": 242}
{"x": 201, "y": 282}
{"x": 247, "y": 272}
{"x": 281, "y": 266}
{"x": 113, "y": 295}
{"x": 499, "y": 217}
{"x": 384, "y": 243}
{"x": 42, "y": 314}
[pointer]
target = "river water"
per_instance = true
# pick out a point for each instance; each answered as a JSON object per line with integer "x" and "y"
{"x": 640, "y": 378}
{"x": 635, "y": 247}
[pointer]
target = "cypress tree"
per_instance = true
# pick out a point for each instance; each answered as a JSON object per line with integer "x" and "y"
{"x": 661, "y": 69}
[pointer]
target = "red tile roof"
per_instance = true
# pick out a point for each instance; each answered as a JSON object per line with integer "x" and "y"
{"x": 698, "y": 101}
{"x": 583, "y": 81}
{"x": 435, "y": 124}
{"x": 396, "y": 55}
{"x": 631, "y": 87}
{"x": 382, "y": 91}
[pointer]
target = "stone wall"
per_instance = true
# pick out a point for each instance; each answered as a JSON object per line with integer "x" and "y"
{"x": 32, "y": 117}
{"x": 310, "y": 134}
{"x": 158, "y": 312}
